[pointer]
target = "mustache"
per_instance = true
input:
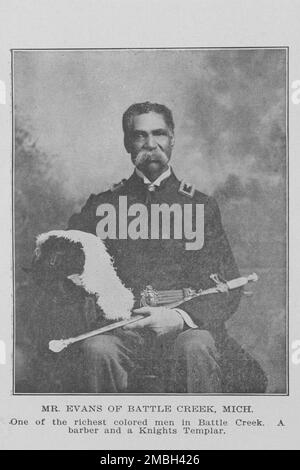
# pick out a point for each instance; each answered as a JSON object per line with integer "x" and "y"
{"x": 146, "y": 156}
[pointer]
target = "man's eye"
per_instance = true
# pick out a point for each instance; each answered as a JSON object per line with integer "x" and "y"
{"x": 160, "y": 133}
{"x": 138, "y": 135}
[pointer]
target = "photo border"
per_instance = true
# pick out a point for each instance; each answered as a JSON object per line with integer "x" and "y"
{"x": 287, "y": 322}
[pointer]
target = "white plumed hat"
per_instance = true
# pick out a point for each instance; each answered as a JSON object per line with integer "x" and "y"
{"x": 99, "y": 276}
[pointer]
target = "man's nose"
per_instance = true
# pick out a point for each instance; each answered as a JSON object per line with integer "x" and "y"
{"x": 150, "y": 142}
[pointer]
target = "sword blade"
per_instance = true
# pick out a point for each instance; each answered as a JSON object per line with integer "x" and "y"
{"x": 104, "y": 329}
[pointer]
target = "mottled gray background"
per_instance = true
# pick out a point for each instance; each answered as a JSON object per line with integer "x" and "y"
{"x": 230, "y": 115}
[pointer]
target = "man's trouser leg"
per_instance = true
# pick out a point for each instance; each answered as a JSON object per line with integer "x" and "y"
{"x": 109, "y": 359}
{"x": 194, "y": 363}
{"x": 190, "y": 361}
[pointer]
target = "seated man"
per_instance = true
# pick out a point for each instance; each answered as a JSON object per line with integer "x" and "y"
{"x": 189, "y": 345}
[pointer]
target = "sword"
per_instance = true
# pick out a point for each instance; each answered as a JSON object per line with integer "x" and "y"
{"x": 60, "y": 344}
{"x": 174, "y": 298}
{"x": 153, "y": 298}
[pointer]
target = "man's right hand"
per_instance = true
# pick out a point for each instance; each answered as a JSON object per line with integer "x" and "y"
{"x": 161, "y": 320}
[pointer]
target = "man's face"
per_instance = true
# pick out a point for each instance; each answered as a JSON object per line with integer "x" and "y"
{"x": 150, "y": 144}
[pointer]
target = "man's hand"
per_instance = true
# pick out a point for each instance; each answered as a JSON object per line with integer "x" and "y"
{"x": 161, "y": 320}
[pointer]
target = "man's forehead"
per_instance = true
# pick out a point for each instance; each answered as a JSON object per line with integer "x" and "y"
{"x": 149, "y": 121}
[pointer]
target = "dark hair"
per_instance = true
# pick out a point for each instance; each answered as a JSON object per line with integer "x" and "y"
{"x": 143, "y": 108}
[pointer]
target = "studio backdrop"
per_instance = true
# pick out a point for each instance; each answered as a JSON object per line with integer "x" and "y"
{"x": 229, "y": 108}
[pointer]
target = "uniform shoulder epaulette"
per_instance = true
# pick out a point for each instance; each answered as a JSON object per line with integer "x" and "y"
{"x": 119, "y": 185}
{"x": 187, "y": 189}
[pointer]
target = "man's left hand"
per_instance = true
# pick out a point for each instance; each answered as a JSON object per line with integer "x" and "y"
{"x": 161, "y": 320}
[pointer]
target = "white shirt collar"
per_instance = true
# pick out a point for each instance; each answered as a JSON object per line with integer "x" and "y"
{"x": 158, "y": 180}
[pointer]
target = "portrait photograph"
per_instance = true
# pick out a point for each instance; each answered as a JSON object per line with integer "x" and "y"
{"x": 150, "y": 232}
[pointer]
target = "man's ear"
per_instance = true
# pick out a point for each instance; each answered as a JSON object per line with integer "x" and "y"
{"x": 172, "y": 140}
{"x": 76, "y": 278}
{"x": 127, "y": 144}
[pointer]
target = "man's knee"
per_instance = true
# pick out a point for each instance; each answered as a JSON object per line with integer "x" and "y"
{"x": 197, "y": 342}
{"x": 105, "y": 347}
{"x": 196, "y": 363}
{"x": 106, "y": 364}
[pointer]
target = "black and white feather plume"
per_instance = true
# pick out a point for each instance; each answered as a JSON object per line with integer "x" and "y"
{"x": 82, "y": 258}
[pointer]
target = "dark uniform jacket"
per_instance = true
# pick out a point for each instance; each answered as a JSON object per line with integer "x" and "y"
{"x": 166, "y": 264}
{"x": 163, "y": 264}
